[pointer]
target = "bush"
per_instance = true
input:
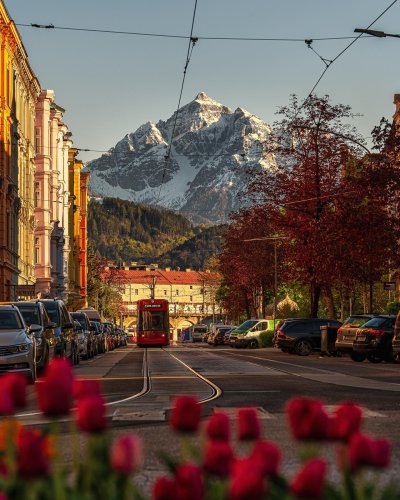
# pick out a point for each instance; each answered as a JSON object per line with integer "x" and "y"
{"x": 266, "y": 338}
{"x": 393, "y": 308}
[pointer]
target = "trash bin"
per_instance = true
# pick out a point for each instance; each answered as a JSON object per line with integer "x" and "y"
{"x": 328, "y": 339}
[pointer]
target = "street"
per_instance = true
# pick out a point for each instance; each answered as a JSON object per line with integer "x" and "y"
{"x": 139, "y": 384}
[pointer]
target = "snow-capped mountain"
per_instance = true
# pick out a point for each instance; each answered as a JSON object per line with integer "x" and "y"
{"x": 204, "y": 171}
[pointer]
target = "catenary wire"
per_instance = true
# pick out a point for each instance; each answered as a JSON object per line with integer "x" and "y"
{"x": 191, "y": 44}
{"x": 166, "y": 35}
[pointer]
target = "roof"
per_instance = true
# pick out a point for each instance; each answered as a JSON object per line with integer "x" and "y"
{"x": 168, "y": 277}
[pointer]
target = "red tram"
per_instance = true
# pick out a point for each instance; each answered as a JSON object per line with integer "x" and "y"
{"x": 152, "y": 322}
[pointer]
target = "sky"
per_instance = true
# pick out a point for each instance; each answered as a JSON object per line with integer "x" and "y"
{"x": 111, "y": 84}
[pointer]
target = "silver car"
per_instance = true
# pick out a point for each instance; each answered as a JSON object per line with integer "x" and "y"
{"x": 17, "y": 343}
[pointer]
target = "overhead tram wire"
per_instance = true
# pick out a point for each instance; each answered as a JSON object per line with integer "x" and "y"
{"x": 328, "y": 63}
{"x": 191, "y": 44}
{"x": 186, "y": 37}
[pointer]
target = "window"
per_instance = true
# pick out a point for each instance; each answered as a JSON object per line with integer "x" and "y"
{"x": 191, "y": 287}
{"x": 165, "y": 292}
{"x": 37, "y": 194}
{"x": 191, "y": 298}
{"x": 177, "y": 292}
{"x": 38, "y": 139}
{"x": 136, "y": 292}
{"x": 37, "y": 251}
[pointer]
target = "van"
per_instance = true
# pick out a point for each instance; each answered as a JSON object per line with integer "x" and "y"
{"x": 247, "y": 334}
{"x": 91, "y": 313}
{"x": 197, "y": 332}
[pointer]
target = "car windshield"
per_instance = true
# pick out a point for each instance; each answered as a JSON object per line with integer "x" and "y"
{"x": 247, "y": 324}
{"x": 375, "y": 322}
{"x": 80, "y": 319}
{"x": 52, "y": 310}
{"x": 9, "y": 320}
{"x": 356, "y": 322}
{"x": 30, "y": 315}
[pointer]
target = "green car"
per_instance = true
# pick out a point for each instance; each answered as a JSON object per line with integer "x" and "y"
{"x": 247, "y": 334}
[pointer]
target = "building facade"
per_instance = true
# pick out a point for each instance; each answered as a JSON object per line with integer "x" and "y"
{"x": 52, "y": 199}
{"x": 191, "y": 294}
{"x": 19, "y": 89}
{"x": 78, "y": 187}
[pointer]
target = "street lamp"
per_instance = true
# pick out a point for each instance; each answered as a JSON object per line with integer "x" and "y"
{"x": 378, "y": 34}
{"x": 275, "y": 239}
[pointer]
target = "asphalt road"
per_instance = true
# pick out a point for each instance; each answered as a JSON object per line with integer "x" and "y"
{"x": 139, "y": 386}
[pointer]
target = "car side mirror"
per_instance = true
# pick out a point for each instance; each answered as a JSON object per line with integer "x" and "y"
{"x": 34, "y": 328}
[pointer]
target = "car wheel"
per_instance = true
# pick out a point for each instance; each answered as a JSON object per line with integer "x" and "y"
{"x": 42, "y": 368}
{"x": 357, "y": 356}
{"x": 253, "y": 344}
{"x": 303, "y": 347}
{"x": 33, "y": 376}
{"x": 396, "y": 357}
{"x": 373, "y": 358}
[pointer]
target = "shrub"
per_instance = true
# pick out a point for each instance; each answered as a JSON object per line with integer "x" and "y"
{"x": 266, "y": 339}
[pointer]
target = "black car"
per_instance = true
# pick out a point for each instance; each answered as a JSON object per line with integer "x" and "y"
{"x": 34, "y": 313}
{"x": 219, "y": 336}
{"x": 66, "y": 336}
{"x": 303, "y": 336}
{"x": 87, "y": 341}
{"x": 347, "y": 333}
{"x": 373, "y": 341}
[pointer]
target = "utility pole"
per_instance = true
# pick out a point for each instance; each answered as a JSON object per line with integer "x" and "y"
{"x": 152, "y": 284}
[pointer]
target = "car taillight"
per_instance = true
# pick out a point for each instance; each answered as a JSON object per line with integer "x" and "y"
{"x": 377, "y": 333}
{"x": 280, "y": 333}
{"x": 340, "y": 331}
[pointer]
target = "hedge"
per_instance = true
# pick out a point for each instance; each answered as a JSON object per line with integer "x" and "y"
{"x": 266, "y": 338}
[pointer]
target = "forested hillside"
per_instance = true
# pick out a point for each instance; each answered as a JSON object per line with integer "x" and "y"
{"x": 124, "y": 231}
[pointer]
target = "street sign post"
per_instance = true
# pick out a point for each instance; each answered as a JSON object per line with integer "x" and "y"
{"x": 389, "y": 285}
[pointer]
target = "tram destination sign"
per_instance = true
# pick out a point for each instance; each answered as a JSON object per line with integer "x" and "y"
{"x": 152, "y": 306}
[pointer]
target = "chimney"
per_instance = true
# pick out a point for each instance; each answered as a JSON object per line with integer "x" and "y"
{"x": 168, "y": 269}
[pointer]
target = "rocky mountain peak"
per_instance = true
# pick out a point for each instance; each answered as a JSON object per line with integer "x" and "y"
{"x": 206, "y": 171}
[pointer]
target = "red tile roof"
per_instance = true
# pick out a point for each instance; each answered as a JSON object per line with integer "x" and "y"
{"x": 169, "y": 277}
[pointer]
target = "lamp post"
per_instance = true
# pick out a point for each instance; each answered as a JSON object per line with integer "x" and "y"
{"x": 378, "y": 34}
{"x": 274, "y": 239}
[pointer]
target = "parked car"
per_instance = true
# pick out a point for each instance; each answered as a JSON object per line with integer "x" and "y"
{"x": 247, "y": 334}
{"x": 100, "y": 335}
{"x": 130, "y": 335}
{"x": 87, "y": 343}
{"x": 374, "y": 339}
{"x": 197, "y": 332}
{"x": 17, "y": 343}
{"x": 396, "y": 339}
{"x": 218, "y": 337}
{"x": 303, "y": 336}
{"x": 34, "y": 313}
{"x": 66, "y": 337}
{"x": 347, "y": 332}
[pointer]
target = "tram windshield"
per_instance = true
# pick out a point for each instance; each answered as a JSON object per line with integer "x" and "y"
{"x": 153, "y": 321}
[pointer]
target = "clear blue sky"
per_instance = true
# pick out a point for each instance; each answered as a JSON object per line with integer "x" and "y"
{"x": 111, "y": 84}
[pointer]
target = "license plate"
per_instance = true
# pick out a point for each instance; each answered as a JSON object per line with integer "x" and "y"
{"x": 362, "y": 338}
{"x": 348, "y": 337}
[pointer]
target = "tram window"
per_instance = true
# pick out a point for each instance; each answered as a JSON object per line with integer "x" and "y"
{"x": 152, "y": 320}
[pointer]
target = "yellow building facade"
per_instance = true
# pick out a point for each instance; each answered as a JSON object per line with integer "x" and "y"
{"x": 19, "y": 89}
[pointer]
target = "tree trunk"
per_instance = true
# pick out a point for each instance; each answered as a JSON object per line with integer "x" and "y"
{"x": 330, "y": 304}
{"x": 315, "y": 293}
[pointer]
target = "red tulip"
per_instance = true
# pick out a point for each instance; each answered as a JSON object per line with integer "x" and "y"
{"x": 248, "y": 424}
{"x": 186, "y": 413}
{"x": 86, "y": 387}
{"x": 218, "y": 427}
{"x": 246, "y": 481}
{"x": 3, "y": 470}
{"x": 346, "y": 421}
{"x": 126, "y": 454}
{"x": 32, "y": 458}
{"x": 308, "y": 419}
{"x": 3, "y": 496}
{"x": 165, "y": 488}
{"x": 190, "y": 482}
{"x": 16, "y": 383}
{"x": 310, "y": 480}
{"x": 267, "y": 457}
{"x": 218, "y": 458}
{"x": 367, "y": 451}
{"x": 7, "y": 406}
{"x": 91, "y": 414}
{"x": 54, "y": 392}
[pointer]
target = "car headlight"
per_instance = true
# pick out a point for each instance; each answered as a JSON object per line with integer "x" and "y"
{"x": 23, "y": 348}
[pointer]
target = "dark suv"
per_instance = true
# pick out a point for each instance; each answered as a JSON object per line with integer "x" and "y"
{"x": 374, "y": 339}
{"x": 302, "y": 336}
{"x": 66, "y": 336}
{"x": 34, "y": 313}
